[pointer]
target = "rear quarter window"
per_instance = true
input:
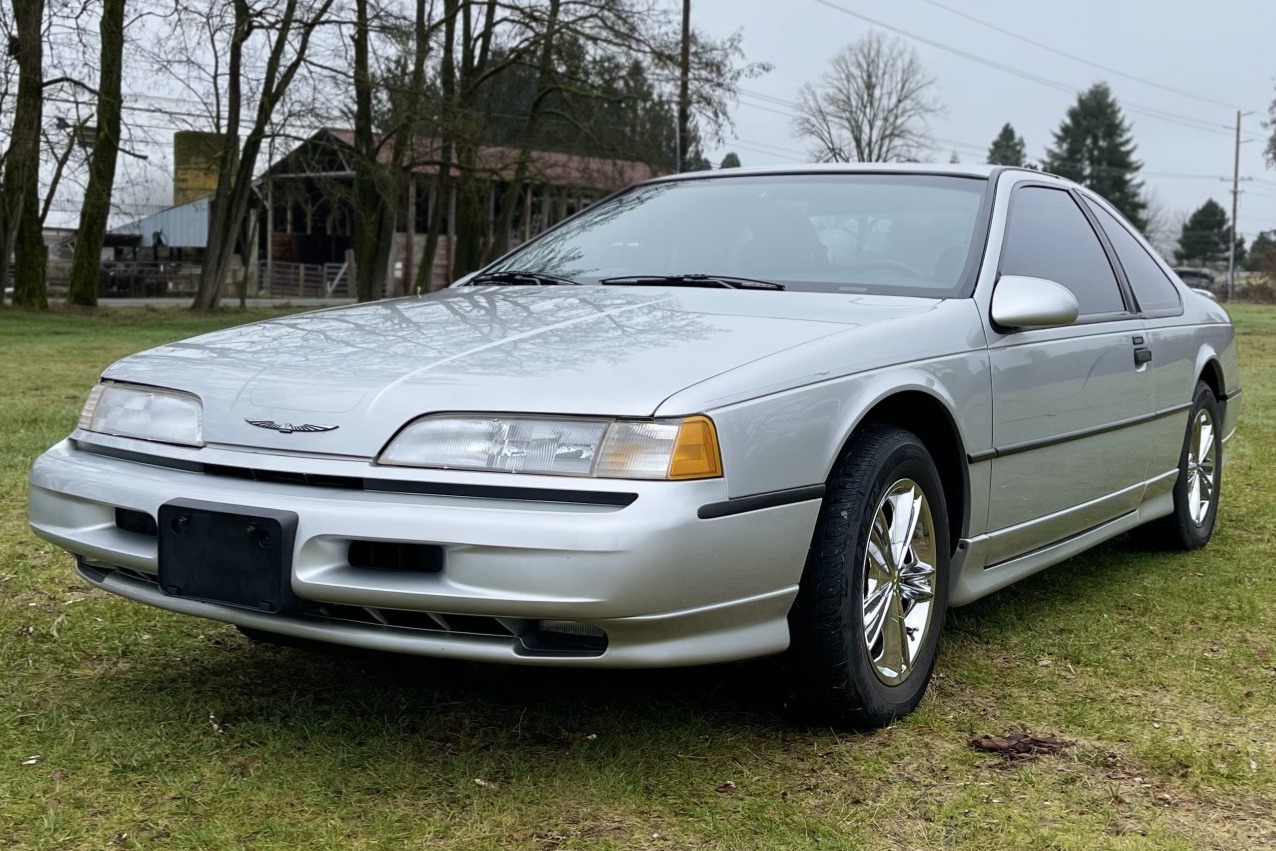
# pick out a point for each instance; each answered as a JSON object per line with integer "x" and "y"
{"x": 1152, "y": 287}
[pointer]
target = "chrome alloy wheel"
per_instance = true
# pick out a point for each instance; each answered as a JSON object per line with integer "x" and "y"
{"x": 1201, "y": 467}
{"x": 899, "y": 581}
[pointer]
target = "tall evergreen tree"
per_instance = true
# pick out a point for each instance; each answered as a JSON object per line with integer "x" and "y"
{"x": 1094, "y": 147}
{"x": 731, "y": 160}
{"x": 1008, "y": 148}
{"x": 1262, "y": 252}
{"x": 1205, "y": 235}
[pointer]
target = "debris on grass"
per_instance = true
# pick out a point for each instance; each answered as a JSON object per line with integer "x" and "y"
{"x": 727, "y": 788}
{"x": 1020, "y": 746}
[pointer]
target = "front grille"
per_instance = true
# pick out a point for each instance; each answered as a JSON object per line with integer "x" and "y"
{"x": 530, "y": 637}
{"x": 282, "y": 477}
{"x": 424, "y": 621}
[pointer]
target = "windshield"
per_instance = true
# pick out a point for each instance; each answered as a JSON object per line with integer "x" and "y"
{"x": 893, "y": 234}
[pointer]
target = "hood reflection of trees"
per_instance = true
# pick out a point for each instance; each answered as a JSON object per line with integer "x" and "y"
{"x": 475, "y": 330}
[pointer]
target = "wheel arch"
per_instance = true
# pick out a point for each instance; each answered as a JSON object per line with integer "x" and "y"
{"x": 1209, "y": 370}
{"x": 922, "y": 411}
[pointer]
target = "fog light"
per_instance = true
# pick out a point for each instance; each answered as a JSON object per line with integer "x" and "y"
{"x": 564, "y": 638}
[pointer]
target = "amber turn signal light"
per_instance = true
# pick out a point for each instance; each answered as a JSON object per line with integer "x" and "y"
{"x": 695, "y": 452}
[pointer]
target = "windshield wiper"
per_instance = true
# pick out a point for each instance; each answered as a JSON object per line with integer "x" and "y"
{"x": 536, "y": 279}
{"x": 730, "y": 282}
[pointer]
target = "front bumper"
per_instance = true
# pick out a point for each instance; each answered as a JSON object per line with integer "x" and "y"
{"x": 665, "y": 587}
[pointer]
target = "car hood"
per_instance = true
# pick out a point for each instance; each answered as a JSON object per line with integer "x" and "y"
{"x": 370, "y": 369}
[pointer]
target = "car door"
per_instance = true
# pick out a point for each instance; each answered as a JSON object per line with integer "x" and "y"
{"x": 1172, "y": 345}
{"x": 1070, "y": 404}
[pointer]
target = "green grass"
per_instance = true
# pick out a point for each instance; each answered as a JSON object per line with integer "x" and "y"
{"x": 151, "y": 730}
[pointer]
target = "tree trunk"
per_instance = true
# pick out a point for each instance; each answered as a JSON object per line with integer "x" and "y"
{"x": 250, "y": 282}
{"x": 31, "y": 259}
{"x": 471, "y": 221}
{"x": 374, "y": 208}
{"x": 86, "y": 266}
{"x": 22, "y": 233}
{"x": 447, "y": 72}
{"x": 220, "y": 243}
{"x": 439, "y": 201}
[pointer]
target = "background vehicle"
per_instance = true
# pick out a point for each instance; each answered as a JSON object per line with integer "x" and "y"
{"x": 1196, "y": 278}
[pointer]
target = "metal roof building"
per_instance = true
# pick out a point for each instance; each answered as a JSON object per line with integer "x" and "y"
{"x": 183, "y": 226}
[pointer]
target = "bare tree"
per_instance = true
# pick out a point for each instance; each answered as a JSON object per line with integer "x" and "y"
{"x": 20, "y": 230}
{"x": 872, "y": 104}
{"x": 1163, "y": 224}
{"x": 82, "y": 289}
{"x": 8, "y": 80}
{"x": 250, "y": 54}
{"x": 374, "y": 202}
{"x": 1270, "y": 124}
{"x": 9, "y": 45}
{"x": 381, "y": 167}
{"x": 447, "y": 86}
{"x": 535, "y": 112}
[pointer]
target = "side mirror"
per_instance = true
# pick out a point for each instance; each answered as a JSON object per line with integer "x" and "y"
{"x": 1020, "y": 302}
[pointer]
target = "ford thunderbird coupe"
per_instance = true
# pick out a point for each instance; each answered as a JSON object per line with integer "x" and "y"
{"x": 715, "y": 416}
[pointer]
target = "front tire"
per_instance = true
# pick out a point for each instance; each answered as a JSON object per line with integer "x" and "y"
{"x": 874, "y": 595}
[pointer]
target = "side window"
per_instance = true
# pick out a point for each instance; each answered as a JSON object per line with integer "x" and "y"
{"x": 1152, "y": 287}
{"x": 1049, "y": 237}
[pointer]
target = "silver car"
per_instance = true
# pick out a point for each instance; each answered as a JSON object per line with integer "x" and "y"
{"x": 716, "y": 416}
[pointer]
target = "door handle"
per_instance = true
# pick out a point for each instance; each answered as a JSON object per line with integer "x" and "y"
{"x": 1142, "y": 355}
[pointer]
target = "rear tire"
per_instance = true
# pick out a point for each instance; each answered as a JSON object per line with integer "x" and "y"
{"x": 1197, "y": 489}
{"x": 873, "y": 598}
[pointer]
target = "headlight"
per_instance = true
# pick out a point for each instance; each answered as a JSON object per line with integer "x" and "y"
{"x": 149, "y": 413}
{"x": 561, "y": 446}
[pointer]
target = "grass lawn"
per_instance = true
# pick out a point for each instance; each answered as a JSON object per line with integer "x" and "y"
{"x": 123, "y": 726}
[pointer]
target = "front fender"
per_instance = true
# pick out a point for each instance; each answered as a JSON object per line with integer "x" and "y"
{"x": 792, "y": 439}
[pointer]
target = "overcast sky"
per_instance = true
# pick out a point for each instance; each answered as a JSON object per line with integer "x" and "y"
{"x": 1221, "y": 50}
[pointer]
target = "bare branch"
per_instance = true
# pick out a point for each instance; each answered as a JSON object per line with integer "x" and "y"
{"x": 873, "y": 104}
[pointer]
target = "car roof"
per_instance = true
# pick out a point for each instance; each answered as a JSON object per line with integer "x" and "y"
{"x": 949, "y": 169}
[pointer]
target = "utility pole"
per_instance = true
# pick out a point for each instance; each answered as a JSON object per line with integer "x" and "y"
{"x": 684, "y": 88}
{"x": 1236, "y": 197}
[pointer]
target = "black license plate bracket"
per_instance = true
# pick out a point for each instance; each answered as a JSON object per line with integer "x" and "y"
{"x": 227, "y": 554}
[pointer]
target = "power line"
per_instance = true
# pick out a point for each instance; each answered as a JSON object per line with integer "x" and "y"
{"x": 1075, "y": 58}
{"x": 1159, "y": 114}
{"x": 777, "y": 148}
{"x": 790, "y": 109}
{"x": 757, "y": 150}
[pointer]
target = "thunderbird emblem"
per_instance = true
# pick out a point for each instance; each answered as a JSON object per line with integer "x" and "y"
{"x": 289, "y": 428}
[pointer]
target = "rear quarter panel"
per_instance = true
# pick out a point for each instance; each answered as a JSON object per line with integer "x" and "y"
{"x": 1182, "y": 348}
